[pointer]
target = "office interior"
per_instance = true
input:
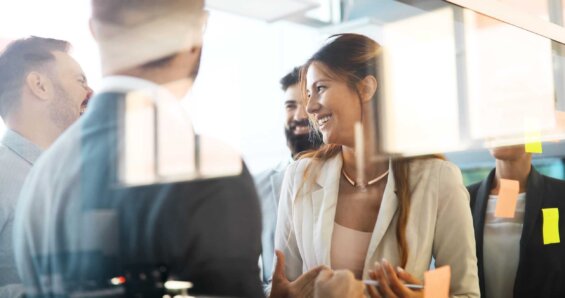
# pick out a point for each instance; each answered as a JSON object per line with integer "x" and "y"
{"x": 446, "y": 51}
{"x": 460, "y": 76}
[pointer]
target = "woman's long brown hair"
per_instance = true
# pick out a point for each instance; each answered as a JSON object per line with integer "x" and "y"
{"x": 351, "y": 58}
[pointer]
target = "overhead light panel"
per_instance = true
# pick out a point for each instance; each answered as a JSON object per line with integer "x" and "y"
{"x": 267, "y": 10}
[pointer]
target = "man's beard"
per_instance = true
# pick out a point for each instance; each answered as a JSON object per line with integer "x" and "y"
{"x": 302, "y": 142}
{"x": 62, "y": 110}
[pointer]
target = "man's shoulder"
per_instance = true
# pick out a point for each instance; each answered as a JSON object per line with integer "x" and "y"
{"x": 220, "y": 184}
{"x": 5, "y": 151}
{"x": 13, "y": 171}
{"x": 55, "y": 165}
{"x": 10, "y": 159}
{"x": 472, "y": 188}
{"x": 548, "y": 180}
{"x": 554, "y": 188}
{"x": 265, "y": 175}
{"x": 64, "y": 148}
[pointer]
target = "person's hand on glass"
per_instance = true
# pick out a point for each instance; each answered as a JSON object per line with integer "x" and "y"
{"x": 302, "y": 287}
{"x": 392, "y": 282}
{"x": 338, "y": 284}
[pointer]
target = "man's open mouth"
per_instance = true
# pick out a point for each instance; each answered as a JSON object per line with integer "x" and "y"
{"x": 84, "y": 104}
{"x": 300, "y": 127}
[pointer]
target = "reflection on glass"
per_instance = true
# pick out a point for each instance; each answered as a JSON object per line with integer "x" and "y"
{"x": 138, "y": 161}
{"x": 537, "y": 8}
{"x": 160, "y": 144}
{"x": 420, "y": 109}
{"x": 510, "y": 79}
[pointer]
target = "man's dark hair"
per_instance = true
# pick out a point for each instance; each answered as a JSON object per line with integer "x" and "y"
{"x": 18, "y": 59}
{"x": 292, "y": 78}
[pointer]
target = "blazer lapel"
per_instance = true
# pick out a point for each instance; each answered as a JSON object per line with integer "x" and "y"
{"x": 389, "y": 206}
{"x": 480, "y": 208}
{"x": 534, "y": 201}
{"x": 479, "y": 212}
{"x": 324, "y": 201}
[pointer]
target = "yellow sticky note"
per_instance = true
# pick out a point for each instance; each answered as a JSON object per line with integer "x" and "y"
{"x": 550, "y": 225}
{"x": 533, "y": 142}
{"x": 436, "y": 282}
{"x": 507, "y": 198}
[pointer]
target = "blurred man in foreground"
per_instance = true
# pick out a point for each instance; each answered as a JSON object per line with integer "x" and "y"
{"x": 82, "y": 228}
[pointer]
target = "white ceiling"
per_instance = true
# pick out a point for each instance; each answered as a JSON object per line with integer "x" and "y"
{"x": 267, "y": 10}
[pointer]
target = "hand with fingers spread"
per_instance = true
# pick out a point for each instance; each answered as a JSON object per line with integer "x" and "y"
{"x": 338, "y": 284}
{"x": 302, "y": 287}
{"x": 392, "y": 282}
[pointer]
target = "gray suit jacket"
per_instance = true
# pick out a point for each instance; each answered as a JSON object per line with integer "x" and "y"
{"x": 268, "y": 184}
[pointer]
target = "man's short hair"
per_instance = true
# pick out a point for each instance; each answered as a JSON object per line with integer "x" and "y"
{"x": 146, "y": 33}
{"x": 18, "y": 59}
{"x": 127, "y": 13}
{"x": 292, "y": 78}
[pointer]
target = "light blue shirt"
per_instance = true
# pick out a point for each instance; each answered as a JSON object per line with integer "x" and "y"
{"x": 268, "y": 184}
{"x": 17, "y": 156}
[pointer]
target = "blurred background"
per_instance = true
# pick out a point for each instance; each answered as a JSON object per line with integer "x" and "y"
{"x": 461, "y": 75}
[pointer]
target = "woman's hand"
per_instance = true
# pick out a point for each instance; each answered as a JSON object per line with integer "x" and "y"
{"x": 338, "y": 284}
{"x": 302, "y": 287}
{"x": 391, "y": 282}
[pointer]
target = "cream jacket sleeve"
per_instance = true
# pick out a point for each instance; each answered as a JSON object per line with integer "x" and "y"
{"x": 454, "y": 241}
{"x": 285, "y": 237}
{"x": 439, "y": 223}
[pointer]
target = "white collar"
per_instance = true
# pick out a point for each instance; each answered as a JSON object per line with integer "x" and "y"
{"x": 125, "y": 84}
{"x": 128, "y": 84}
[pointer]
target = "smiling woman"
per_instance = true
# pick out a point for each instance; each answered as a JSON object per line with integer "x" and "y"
{"x": 332, "y": 104}
{"x": 328, "y": 218}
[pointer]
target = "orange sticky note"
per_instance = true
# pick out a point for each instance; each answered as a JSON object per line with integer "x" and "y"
{"x": 550, "y": 225}
{"x": 507, "y": 197}
{"x": 436, "y": 282}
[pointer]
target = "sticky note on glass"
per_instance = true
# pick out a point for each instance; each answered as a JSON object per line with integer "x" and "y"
{"x": 436, "y": 282}
{"x": 507, "y": 198}
{"x": 550, "y": 225}
{"x": 533, "y": 142}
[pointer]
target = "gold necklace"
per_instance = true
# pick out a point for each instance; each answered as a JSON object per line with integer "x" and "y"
{"x": 354, "y": 184}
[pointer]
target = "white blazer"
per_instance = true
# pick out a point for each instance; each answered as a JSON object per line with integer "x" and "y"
{"x": 439, "y": 223}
